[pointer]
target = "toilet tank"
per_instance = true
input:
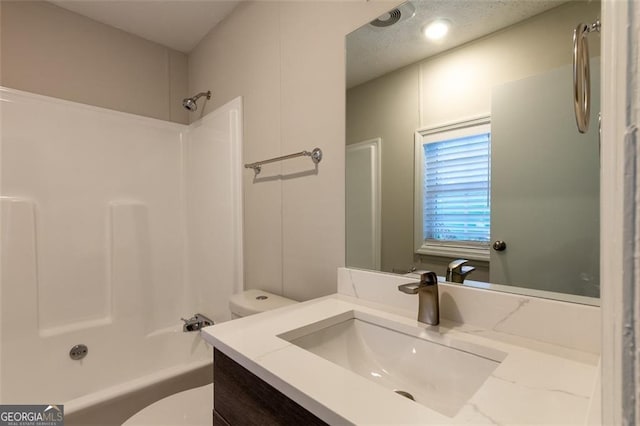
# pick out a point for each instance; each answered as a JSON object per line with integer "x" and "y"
{"x": 253, "y": 301}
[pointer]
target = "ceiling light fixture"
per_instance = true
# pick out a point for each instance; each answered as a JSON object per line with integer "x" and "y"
{"x": 437, "y": 29}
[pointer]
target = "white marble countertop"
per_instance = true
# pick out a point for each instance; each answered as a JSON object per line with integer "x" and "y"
{"x": 536, "y": 383}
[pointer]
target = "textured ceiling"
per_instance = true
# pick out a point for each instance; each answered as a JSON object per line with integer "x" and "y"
{"x": 372, "y": 52}
{"x": 179, "y": 24}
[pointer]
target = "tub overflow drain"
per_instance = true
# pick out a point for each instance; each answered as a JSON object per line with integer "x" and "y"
{"x": 405, "y": 394}
{"x": 78, "y": 352}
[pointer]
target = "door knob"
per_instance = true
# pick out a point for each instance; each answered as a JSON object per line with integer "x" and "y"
{"x": 499, "y": 245}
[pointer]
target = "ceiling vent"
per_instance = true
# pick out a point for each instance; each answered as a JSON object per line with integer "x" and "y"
{"x": 399, "y": 14}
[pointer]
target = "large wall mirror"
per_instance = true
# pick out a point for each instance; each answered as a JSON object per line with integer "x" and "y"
{"x": 465, "y": 146}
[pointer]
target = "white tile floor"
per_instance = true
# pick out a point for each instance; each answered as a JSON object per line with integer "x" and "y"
{"x": 192, "y": 407}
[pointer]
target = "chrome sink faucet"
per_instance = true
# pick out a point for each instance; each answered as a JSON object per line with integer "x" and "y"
{"x": 427, "y": 290}
{"x": 457, "y": 271}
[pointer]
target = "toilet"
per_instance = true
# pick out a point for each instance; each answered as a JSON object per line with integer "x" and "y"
{"x": 253, "y": 301}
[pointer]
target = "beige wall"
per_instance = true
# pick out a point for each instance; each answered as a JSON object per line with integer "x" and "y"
{"x": 287, "y": 60}
{"x": 50, "y": 51}
{"x": 449, "y": 87}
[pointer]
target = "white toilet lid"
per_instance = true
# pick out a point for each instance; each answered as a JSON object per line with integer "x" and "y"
{"x": 254, "y": 301}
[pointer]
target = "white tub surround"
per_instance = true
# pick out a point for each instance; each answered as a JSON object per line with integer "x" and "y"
{"x": 535, "y": 382}
{"x": 114, "y": 226}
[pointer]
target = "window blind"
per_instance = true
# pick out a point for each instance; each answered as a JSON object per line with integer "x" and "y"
{"x": 456, "y": 189}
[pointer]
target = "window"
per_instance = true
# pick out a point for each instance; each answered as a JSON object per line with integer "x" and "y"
{"x": 453, "y": 190}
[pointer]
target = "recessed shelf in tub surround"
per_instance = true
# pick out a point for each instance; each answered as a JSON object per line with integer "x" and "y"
{"x": 536, "y": 381}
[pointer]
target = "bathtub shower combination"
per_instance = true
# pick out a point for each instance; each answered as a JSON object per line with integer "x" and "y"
{"x": 113, "y": 228}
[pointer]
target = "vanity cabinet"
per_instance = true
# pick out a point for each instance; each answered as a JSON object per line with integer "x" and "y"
{"x": 241, "y": 398}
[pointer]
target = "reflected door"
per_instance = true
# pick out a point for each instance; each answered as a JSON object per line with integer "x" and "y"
{"x": 540, "y": 208}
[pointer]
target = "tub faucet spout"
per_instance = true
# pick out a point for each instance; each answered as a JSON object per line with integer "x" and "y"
{"x": 427, "y": 291}
{"x": 196, "y": 322}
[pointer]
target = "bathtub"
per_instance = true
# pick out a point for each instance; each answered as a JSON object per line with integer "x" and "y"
{"x": 107, "y": 241}
{"x": 114, "y": 405}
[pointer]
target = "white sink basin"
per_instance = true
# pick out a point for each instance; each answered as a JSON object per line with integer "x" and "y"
{"x": 438, "y": 372}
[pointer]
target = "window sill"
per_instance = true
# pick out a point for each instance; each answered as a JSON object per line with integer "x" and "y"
{"x": 470, "y": 253}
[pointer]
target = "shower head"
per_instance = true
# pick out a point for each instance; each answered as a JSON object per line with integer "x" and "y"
{"x": 190, "y": 103}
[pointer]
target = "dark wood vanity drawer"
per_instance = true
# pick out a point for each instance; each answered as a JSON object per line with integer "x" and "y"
{"x": 241, "y": 398}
